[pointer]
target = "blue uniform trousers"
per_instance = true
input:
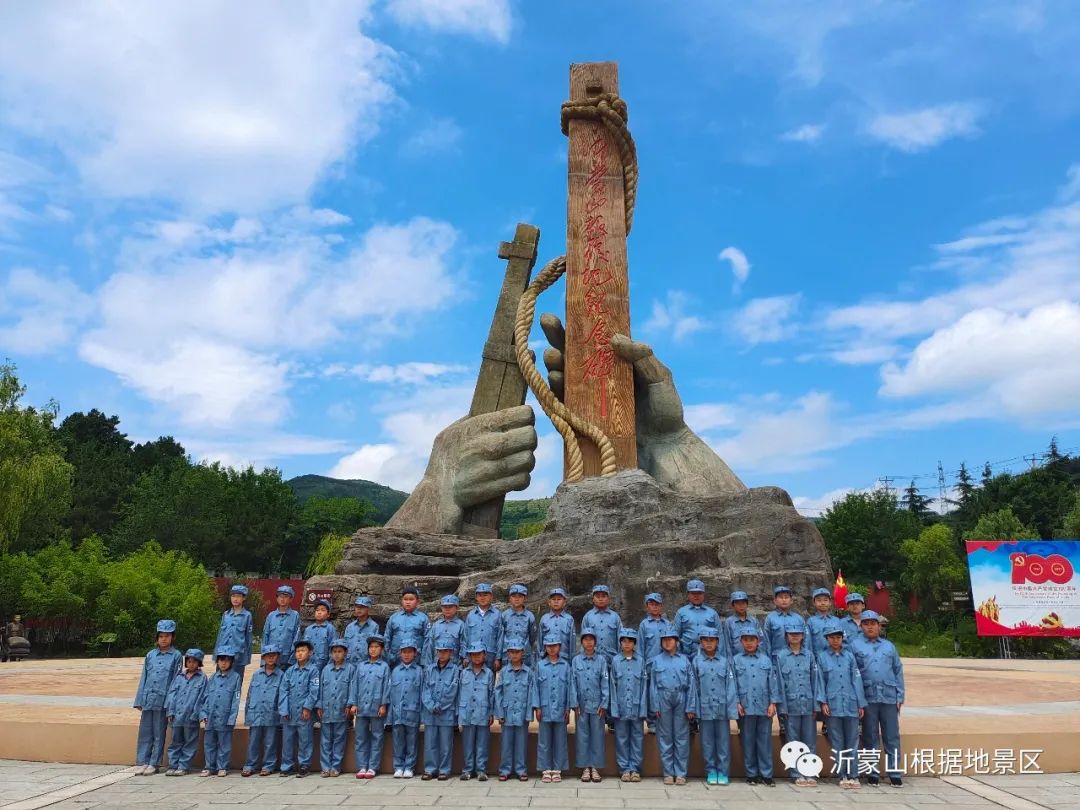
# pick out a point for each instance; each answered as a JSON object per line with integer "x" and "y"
{"x": 297, "y": 736}
{"x": 476, "y": 741}
{"x": 182, "y": 747}
{"x": 844, "y": 739}
{"x": 628, "y": 738}
{"x": 332, "y": 745}
{"x": 757, "y": 745}
{"x": 404, "y": 739}
{"x": 217, "y": 748}
{"x": 589, "y": 740}
{"x": 673, "y": 734}
{"x": 262, "y": 748}
{"x": 551, "y": 752}
{"x": 882, "y": 720}
{"x": 800, "y": 728}
{"x": 368, "y": 743}
{"x": 716, "y": 745}
{"x": 151, "y": 742}
{"x": 512, "y": 746}
{"x": 438, "y": 749}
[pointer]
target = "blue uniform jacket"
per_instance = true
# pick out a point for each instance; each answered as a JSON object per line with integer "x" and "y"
{"x": 689, "y": 620}
{"x": 801, "y": 691}
{"x": 401, "y": 626}
{"x": 476, "y": 697}
{"x": 628, "y": 692}
{"x": 371, "y": 687}
{"x": 356, "y": 636}
{"x": 852, "y": 631}
{"x": 606, "y": 624}
{"x": 564, "y": 627}
{"x": 756, "y": 682}
{"x": 452, "y": 631}
{"x": 222, "y": 702}
{"x": 320, "y": 636}
{"x": 775, "y": 630}
{"x": 185, "y": 699}
{"x": 335, "y": 691}
{"x": 715, "y": 696}
{"x": 554, "y": 689}
{"x": 235, "y": 631}
{"x": 283, "y": 630}
{"x": 263, "y": 699}
{"x": 406, "y": 684}
{"x": 519, "y": 625}
{"x": 440, "y": 694}
{"x": 515, "y": 696}
{"x": 670, "y": 674}
{"x": 816, "y": 626}
{"x": 591, "y": 682}
{"x": 300, "y": 691}
{"x": 159, "y": 669}
{"x": 649, "y": 631}
{"x": 735, "y": 628}
{"x": 842, "y": 683}
{"x": 881, "y": 669}
{"x": 485, "y": 628}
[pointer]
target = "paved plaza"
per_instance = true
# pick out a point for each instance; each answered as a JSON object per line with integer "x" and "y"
{"x": 31, "y": 785}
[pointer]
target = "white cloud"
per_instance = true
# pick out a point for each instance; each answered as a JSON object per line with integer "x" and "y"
{"x": 767, "y": 320}
{"x": 709, "y": 416}
{"x": 440, "y": 137}
{"x": 817, "y": 506}
{"x": 740, "y": 265}
{"x": 483, "y": 19}
{"x": 918, "y": 130}
{"x": 411, "y": 373}
{"x": 260, "y": 451}
{"x": 807, "y": 133}
{"x": 39, "y": 314}
{"x": 234, "y": 107}
{"x": 671, "y": 316}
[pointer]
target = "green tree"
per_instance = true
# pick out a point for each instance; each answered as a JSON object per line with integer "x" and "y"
{"x": 162, "y": 452}
{"x": 1000, "y": 525}
{"x": 932, "y": 568}
{"x": 101, "y": 457}
{"x": 964, "y": 486}
{"x": 326, "y": 558}
{"x": 863, "y": 533}
{"x": 1070, "y": 526}
{"x": 35, "y": 480}
{"x": 319, "y": 517}
{"x": 1040, "y": 498}
{"x": 987, "y": 474}
{"x": 915, "y": 502}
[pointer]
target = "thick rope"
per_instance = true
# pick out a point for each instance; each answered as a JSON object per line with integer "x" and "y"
{"x": 610, "y": 110}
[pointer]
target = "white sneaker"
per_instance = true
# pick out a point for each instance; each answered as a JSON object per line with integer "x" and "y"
{"x": 149, "y": 770}
{"x": 399, "y": 773}
{"x": 408, "y": 774}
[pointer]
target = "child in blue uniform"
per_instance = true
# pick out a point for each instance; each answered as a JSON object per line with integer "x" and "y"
{"x": 406, "y": 686}
{"x": 739, "y": 621}
{"x": 628, "y": 698}
{"x": 776, "y": 620}
{"x": 654, "y": 623}
{"x": 800, "y": 692}
{"x": 160, "y": 666}
{"x": 371, "y": 697}
{"x": 320, "y": 633}
{"x": 883, "y": 684}
{"x": 851, "y": 624}
{"x": 484, "y": 625}
{"x": 282, "y": 626}
{"x": 359, "y": 630}
{"x": 519, "y": 622}
{"x": 475, "y": 712}
{"x": 515, "y": 702}
{"x": 589, "y": 671}
{"x": 183, "y": 705}
{"x": 823, "y": 611}
{"x": 554, "y": 699}
{"x": 671, "y": 680}
{"x": 335, "y": 708}
{"x": 604, "y": 622}
{"x": 695, "y": 616}
{"x": 300, "y": 697}
{"x": 218, "y": 714}
{"x": 447, "y": 628}
{"x": 759, "y": 692}
{"x": 715, "y": 703}
{"x": 407, "y": 623}
{"x": 236, "y": 627}
{"x": 440, "y": 693}
{"x": 559, "y": 623}
{"x": 844, "y": 703}
{"x": 262, "y": 714}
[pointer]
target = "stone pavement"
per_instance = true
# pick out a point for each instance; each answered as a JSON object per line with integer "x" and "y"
{"x": 32, "y": 785}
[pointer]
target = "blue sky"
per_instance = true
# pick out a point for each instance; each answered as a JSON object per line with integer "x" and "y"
{"x": 269, "y": 229}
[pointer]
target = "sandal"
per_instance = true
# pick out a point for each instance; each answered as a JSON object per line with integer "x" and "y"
{"x": 546, "y": 777}
{"x": 585, "y": 775}
{"x": 669, "y": 780}
{"x": 596, "y": 777}
{"x": 556, "y": 776}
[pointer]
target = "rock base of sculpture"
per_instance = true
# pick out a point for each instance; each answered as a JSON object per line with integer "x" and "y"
{"x": 626, "y": 531}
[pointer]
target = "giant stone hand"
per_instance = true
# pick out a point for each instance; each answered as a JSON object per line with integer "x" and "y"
{"x": 668, "y": 449}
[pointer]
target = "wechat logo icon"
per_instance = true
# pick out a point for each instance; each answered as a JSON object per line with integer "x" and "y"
{"x": 798, "y": 755}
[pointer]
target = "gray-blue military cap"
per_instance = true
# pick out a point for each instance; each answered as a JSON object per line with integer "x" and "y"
{"x": 551, "y": 638}
{"x": 363, "y": 601}
{"x": 339, "y": 642}
{"x": 483, "y": 587}
{"x": 654, "y": 597}
{"x": 272, "y": 649}
{"x": 794, "y": 624}
{"x": 475, "y": 647}
{"x": 600, "y": 589}
{"x": 821, "y": 592}
{"x": 515, "y": 644}
{"x": 195, "y": 653}
{"x": 832, "y": 628}
{"x": 854, "y": 597}
{"x": 708, "y": 632}
{"x": 286, "y": 589}
{"x": 225, "y": 652}
{"x": 166, "y": 626}
{"x": 376, "y": 638}
{"x": 557, "y": 592}
{"x": 779, "y": 589}
{"x": 695, "y": 586}
{"x": 240, "y": 589}
{"x": 518, "y": 588}
{"x": 739, "y": 596}
{"x": 628, "y": 632}
{"x": 450, "y": 600}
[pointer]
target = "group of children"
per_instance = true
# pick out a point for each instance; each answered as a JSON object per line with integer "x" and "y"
{"x": 691, "y": 674}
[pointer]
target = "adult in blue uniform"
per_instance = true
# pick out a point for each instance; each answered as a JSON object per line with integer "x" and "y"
{"x": 406, "y": 703}
{"x": 558, "y": 623}
{"x": 555, "y": 699}
{"x": 262, "y": 714}
{"x": 515, "y": 702}
{"x": 359, "y": 630}
{"x": 409, "y": 622}
{"x": 160, "y": 666}
{"x": 282, "y": 626}
{"x": 300, "y": 698}
{"x": 590, "y": 673}
{"x": 183, "y": 705}
{"x": 475, "y": 712}
{"x": 484, "y": 625}
{"x": 440, "y": 693}
{"x": 883, "y": 684}
{"x": 739, "y": 622}
{"x": 519, "y": 622}
{"x": 800, "y": 692}
{"x": 695, "y": 616}
{"x": 219, "y": 713}
{"x": 371, "y": 697}
{"x": 448, "y": 629}
{"x": 715, "y": 703}
{"x": 671, "y": 681}
{"x": 320, "y": 633}
{"x": 335, "y": 708}
{"x": 759, "y": 692}
{"x": 236, "y": 629}
{"x": 604, "y": 622}
{"x": 629, "y": 704}
{"x": 844, "y": 704}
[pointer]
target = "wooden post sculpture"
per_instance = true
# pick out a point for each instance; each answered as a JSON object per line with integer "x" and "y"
{"x": 599, "y": 386}
{"x": 499, "y": 384}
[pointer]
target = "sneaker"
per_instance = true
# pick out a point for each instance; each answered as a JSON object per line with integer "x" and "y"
{"x": 149, "y": 770}
{"x": 635, "y": 776}
{"x": 546, "y": 777}
{"x": 680, "y": 780}
{"x": 753, "y": 780}
{"x": 855, "y": 783}
{"x": 170, "y": 772}
{"x": 360, "y": 774}
{"x": 204, "y": 772}
{"x": 896, "y": 781}
{"x": 722, "y": 779}
{"x": 465, "y": 776}
{"x": 669, "y": 780}
{"x": 222, "y": 772}
{"x": 481, "y": 777}
{"x": 710, "y": 779}
{"x": 286, "y": 773}
{"x": 407, "y": 774}
{"x": 304, "y": 771}
{"x": 768, "y": 781}
{"x": 398, "y": 773}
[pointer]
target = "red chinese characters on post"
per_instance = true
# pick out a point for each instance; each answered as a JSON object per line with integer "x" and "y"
{"x": 596, "y": 270}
